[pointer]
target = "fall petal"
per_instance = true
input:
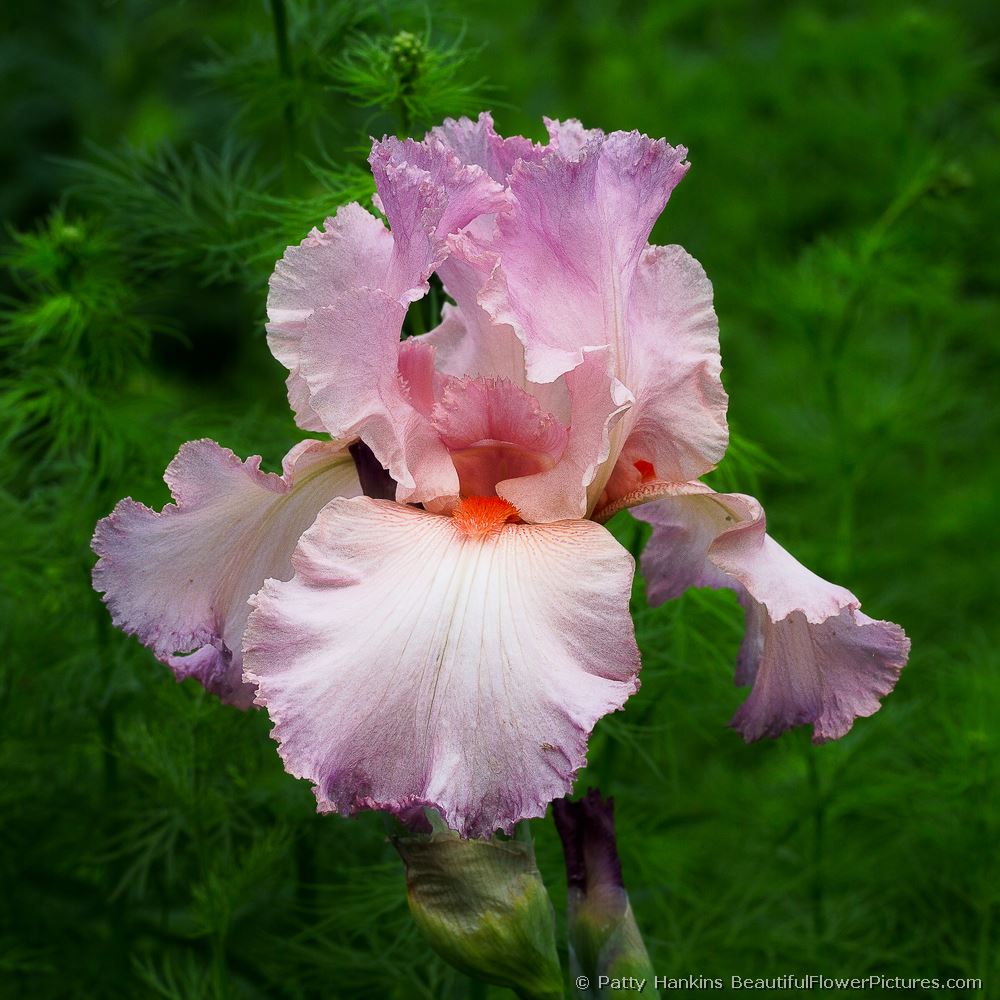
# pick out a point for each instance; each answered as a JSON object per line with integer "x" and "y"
{"x": 809, "y": 652}
{"x": 472, "y": 688}
{"x": 179, "y": 579}
{"x": 827, "y": 674}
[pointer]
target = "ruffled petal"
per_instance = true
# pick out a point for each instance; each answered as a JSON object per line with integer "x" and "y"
{"x": 570, "y": 138}
{"x": 809, "y": 652}
{"x": 477, "y": 143}
{"x": 408, "y": 662}
{"x": 354, "y": 250}
{"x": 495, "y": 431}
{"x": 477, "y": 410}
{"x": 179, "y": 580}
{"x": 357, "y": 390}
{"x": 344, "y": 340}
{"x": 468, "y": 342}
{"x": 427, "y": 194}
{"x": 677, "y": 430}
{"x": 569, "y": 245}
{"x": 597, "y": 403}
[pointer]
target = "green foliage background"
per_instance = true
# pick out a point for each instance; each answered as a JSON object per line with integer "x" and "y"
{"x": 157, "y": 158}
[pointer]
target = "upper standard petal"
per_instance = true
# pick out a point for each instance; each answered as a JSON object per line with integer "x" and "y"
{"x": 427, "y": 194}
{"x": 353, "y": 250}
{"x": 351, "y": 363}
{"x": 477, "y": 143}
{"x": 570, "y": 242}
{"x": 179, "y": 579}
{"x": 676, "y": 429}
{"x": 411, "y": 661}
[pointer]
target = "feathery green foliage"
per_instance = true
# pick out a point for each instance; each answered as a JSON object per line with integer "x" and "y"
{"x": 843, "y": 200}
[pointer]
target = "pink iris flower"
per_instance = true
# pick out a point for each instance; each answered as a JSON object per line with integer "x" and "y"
{"x": 452, "y": 642}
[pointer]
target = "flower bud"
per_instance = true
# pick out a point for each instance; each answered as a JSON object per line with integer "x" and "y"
{"x": 483, "y": 907}
{"x": 407, "y": 53}
{"x": 605, "y": 944}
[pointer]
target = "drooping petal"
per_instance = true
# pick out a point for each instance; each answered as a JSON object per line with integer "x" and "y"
{"x": 350, "y": 361}
{"x": 179, "y": 579}
{"x": 809, "y": 652}
{"x": 569, "y": 245}
{"x": 410, "y": 660}
{"x": 353, "y": 251}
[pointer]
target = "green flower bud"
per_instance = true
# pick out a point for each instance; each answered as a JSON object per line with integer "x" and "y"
{"x": 605, "y": 946}
{"x": 407, "y": 53}
{"x": 483, "y": 907}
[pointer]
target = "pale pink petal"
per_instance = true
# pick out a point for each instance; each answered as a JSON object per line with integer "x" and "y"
{"x": 569, "y": 245}
{"x": 409, "y": 662}
{"x": 427, "y": 194}
{"x": 597, "y": 403}
{"x": 569, "y": 137}
{"x": 495, "y": 431}
{"x": 422, "y": 382}
{"x": 350, "y": 361}
{"x": 179, "y": 580}
{"x": 478, "y": 410}
{"x": 477, "y": 143}
{"x": 826, "y": 674}
{"x": 809, "y": 652}
{"x": 354, "y": 250}
{"x": 346, "y": 347}
{"x": 468, "y": 342}
{"x": 677, "y": 427}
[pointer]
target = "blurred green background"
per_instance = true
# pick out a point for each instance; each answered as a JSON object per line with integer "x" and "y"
{"x": 157, "y": 158}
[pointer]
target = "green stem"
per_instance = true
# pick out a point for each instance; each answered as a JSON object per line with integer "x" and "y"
{"x": 819, "y": 843}
{"x": 279, "y": 16}
{"x": 837, "y": 345}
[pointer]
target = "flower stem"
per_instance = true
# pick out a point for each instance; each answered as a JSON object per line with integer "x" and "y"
{"x": 818, "y": 847}
{"x": 279, "y": 17}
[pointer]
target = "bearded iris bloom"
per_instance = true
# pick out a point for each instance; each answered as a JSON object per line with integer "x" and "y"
{"x": 451, "y": 641}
